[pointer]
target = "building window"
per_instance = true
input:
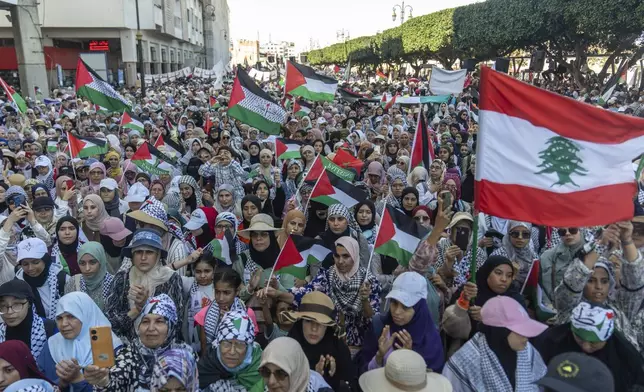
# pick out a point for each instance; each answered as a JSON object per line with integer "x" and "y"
{"x": 164, "y": 56}
{"x": 153, "y": 54}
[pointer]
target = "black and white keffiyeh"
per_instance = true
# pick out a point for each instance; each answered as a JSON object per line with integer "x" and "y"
{"x": 342, "y": 210}
{"x": 345, "y": 294}
{"x": 38, "y": 333}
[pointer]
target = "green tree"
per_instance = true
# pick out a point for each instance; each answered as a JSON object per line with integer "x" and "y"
{"x": 560, "y": 157}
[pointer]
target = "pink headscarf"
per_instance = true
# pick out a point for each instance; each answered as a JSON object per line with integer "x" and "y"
{"x": 376, "y": 168}
{"x": 454, "y": 177}
{"x": 96, "y": 165}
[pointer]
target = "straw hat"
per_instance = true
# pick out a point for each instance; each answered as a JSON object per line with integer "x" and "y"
{"x": 315, "y": 306}
{"x": 261, "y": 222}
{"x": 404, "y": 371}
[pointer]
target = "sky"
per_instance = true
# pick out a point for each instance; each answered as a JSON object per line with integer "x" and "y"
{"x": 302, "y": 20}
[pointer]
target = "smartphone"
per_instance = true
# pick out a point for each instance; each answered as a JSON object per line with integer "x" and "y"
{"x": 447, "y": 199}
{"x": 462, "y": 238}
{"x": 102, "y": 346}
{"x": 19, "y": 200}
{"x": 70, "y": 184}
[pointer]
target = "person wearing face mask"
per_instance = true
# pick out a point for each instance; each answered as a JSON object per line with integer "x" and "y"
{"x": 94, "y": 279}
{"x": 232, "y": 360}
{"x": 19, "y": 318}
{"x": 314, "y": 329}
{"x": 69, "y": 351}
{"x": 156, "y": 332}
{"x": 499, "y": 357}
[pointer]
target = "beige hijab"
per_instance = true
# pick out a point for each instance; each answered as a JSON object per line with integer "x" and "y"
{"x": 158, "y": 275}
{"x": 352, "y": 246}
{"x": 95, "y": 224}
{"x": 287, "y": 353}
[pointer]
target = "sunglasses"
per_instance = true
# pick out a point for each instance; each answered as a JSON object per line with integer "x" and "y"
{"x": 520, "y": 234}
{"x": 564, "y": 231}
{"x": 280, "y": 375}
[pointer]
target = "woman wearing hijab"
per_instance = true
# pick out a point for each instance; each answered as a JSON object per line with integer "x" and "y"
{"x": 67, "y": 198}
{"x": 499, "y": 358}
{"x": 355, "y": 293}
{"x": 376, "y": 179}
{"x": 232, "y": 360}
{"x": 452, "y": 183}
{"x": 202, "y": 227}
{"x": 293, "y": 178}
{"x": 109, "y": 192}
{"x": 94, "y": 214}
{"x": 251, "y": 205}
{"x": 71, "y": 348}
{"x": 284, "y": 368}
{"x": 272, "y": 198}
{"x": 315, "y": 330}
{"x": 365, "y": 215}
{"x": 253, "y": 151}
{"x": 340, "y": 223}
{"x": 97, "y": 173}
{"x": 94, "y": 279}
{"x": 517, "y": 247}
{"x": 176, "y": 369}
{"x": 3, "y": 199}
{"x": 155, "y": 333}
{"x": 17, "y": 363}
{"x": 294, "y": 223}
{"x": 47, "y": 280}
{"x": 65, "y": 250}
{"x": 190, "y": 195}
{"x": 407, "y": 324}
{"x": 592, "y": 331}
{"x": 308, "y": 157}
{"x": 225, "y": 200}
{"x": 391, "y": 152}
{"x": 19, "y": 318}
{"x": 45, "y": 171}
{"x": 397, "y": 182}
{"x": 40, "y": 190}
{"x": 409, "y": 200}
{"x": 148, "y": 276}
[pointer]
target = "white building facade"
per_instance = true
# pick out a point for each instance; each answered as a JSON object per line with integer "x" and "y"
{"x": 172, "y": 35}
{"x": 278, "y": 52}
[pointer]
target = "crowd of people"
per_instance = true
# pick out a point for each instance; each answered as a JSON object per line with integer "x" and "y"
{"x": 98, "y": 242}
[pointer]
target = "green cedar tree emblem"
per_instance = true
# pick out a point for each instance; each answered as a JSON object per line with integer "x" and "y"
{"x": 560, "y": 157}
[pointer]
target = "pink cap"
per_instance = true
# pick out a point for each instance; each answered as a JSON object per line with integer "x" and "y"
{"x": 506, "y": 312}
{"x": 114, "y": 228}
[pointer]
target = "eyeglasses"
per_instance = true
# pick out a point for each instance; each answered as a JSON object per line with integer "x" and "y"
{"x": 280, "y": 375}
{"x": 564, "y": 231}
{"x": 16, "y": 307}
{"x": 228, "y": 345}
{"x": 520, "y": 234}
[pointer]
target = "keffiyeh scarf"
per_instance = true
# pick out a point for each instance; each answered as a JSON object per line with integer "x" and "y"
{"x": 342, "y": 210}
{"x": 38, "y": 334}
{"x": 179, "y": 364}
{"x": 211, "y": 323}
{"x": 345, "y": 294}
{"x": 105, "y": 290}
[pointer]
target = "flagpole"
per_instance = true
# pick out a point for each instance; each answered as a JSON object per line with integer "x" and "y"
{"x": 374, "y": 245}
{"x": 413, "y": 146}
{"x": 268, "y": 282}
{"x": 475, "y": 231}
{"x": 71, "y": 154}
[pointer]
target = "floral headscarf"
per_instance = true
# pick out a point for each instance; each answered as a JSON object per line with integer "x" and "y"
{"x": 176, "y": 363}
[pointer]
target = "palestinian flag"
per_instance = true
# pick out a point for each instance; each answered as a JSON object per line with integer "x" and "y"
{"x": 12, "y": 96}
{"x": 214, "y": 103}
{"x": 381, "y": 76}
{"x": 85, "y": 147}
{"x": 387, "y": 104}
{"x": 350, "y": 96}
{"x": 91, "y": 86}
{"x": 552, "y": 169}
{"x": 422, "y": 151}
{"x": 322, "y": 163}
{"x": 398, "y": 235}
{"x": 346, "y": 160}
{"x": 304, "y": 82}
{"x": 613, "y": 81}
{"x": 52, "y": 146}
{"x": 167, "y": 145}
{"x": 223, "y": 247}
{"x": 532, "y": 291}
{"x": 287, "y": 148}
{"x": 301, "y": 108}
{"x": 251, "y": 105}
{"x": 100, "y": 109}
{"x": 299, "y": 252}
{"x": 331, "y": 189}
{"x": 130, "y": 121}
{"x": 147, "y": 158}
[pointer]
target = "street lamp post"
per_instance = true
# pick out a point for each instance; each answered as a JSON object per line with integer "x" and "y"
{"x": 139, "y": 49}
{"x": 402, "y": 7}
{"x": 209, "y": 41}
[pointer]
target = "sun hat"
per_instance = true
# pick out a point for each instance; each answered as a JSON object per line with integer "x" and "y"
{"x": 151, "y": 212}
{"x": 261, "y": 222}
{"x": 145, "y": 238}
{"x": 460, "y": 216}
{"x": 404, "y": 371}
{"x": 408, "y": 288}
{"x": 315, "y": 306}
{"x": 115, "y": 229}
{"x": 137, "y": 193}
{"x": 31, "y": 248}
{"x": 503, "y": 311}
{"x": 197, "y": 220}
{"x": 577, "y": 372}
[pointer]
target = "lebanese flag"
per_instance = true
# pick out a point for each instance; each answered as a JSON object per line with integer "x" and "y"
{"x": 398, "y": 235}
{"x": 550, "y": 160}
{"x": 287, "y": 148}
{"x": 422, "y": 151}
{"x": 299, "y": 252}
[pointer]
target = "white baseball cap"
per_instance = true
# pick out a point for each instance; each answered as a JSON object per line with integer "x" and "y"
{"x": 137, "y": 193}
{"x": 409, "y": 288}
{"x": 31, "y": 248}
{"x": 108, "y": 183}
{"x": 197, "y": 220}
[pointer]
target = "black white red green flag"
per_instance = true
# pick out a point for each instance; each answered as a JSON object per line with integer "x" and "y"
{"x": 131, "y": 121}
{"x": 303, "y": 81}
{"x": 253, "y": 106}
{"x": 85, "y": 147}
{"x": 301, "y": 108}
{"x": 91, "y": 86}
{"x": 331, "y": 189}
{"x": 422, "y": 150}
{"x": 299, "y": 252}
{"x": 287, "y": 148}
{"x": 223, "y": 247}
{"x": 167, "y": 145}
{"x": 398, "y": 235}
{"x": 322, "y": 163}
{"x": 148, "y": 158}
{"x": 550, "y": 160}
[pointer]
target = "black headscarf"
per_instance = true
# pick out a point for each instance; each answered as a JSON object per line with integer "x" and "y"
{"x": 266, "y": 259}
{"x": 3, "y": 205}
{"x": 372, "y": 207}
{"x": 408, "y": 190}
{"x": 315, "y": 225}
{"x": 20, "y": 289}
{"x": 253, "y": 199}
{"x": 497, "y": 339}
{"x": 484, "y": 291}
{"x": 113, "y": 207}
{"x": 329, "y": 345}
{"x": 254, "y": 159}
{"x": 69, "y": 251}
{"x": 39, "y": 281}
